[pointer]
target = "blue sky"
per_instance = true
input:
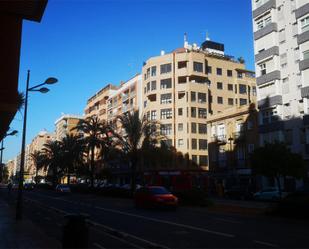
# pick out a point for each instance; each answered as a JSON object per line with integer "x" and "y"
{"x": 89, "y": 43}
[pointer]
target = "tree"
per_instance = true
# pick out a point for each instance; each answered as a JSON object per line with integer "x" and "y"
{"x": 241, "y": 60}
{"x": 137, "y": 134}
{"x": 38, "y": 159}
{"x": 92, "y": 129}
{"x": 53, "y": 153}
{"x": 276, "y": 160}
{"x": 73, "y": 149}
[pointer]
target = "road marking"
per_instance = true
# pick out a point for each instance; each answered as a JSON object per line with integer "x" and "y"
{"x": 264, "y": 243}
{"x": 169, "y": 222}
{"x": 98, "y": 245}
{"x": 159, "y": 221}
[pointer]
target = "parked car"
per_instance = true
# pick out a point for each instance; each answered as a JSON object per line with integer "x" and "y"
{"x": 155, "y": 196}
{"x": 270, "y": 194}
{"x": 63, "y": 188}
{"x": 128, "y": 186}
{"x": 239, "y": 193}
{"x": 29, "y": 186}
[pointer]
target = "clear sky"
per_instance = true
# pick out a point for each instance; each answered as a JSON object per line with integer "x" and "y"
{"x": 88, "y": 43}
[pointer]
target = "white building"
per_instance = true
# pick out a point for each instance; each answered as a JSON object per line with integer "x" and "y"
{"x": 281, "y": 45}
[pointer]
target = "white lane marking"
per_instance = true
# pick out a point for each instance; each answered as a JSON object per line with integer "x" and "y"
{"x": 117, "y": 238}
{"x": 161, "y": 221}
{"x": 226, "y": 220}
{"x": 264, "y": 243}
{"x": 98, "y": 245}
{"x": 169, "y": 222}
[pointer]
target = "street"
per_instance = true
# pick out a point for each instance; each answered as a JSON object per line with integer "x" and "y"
{"x": 116, "y": 223}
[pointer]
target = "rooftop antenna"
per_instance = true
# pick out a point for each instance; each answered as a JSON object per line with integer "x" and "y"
{"x": 207, "y": 36}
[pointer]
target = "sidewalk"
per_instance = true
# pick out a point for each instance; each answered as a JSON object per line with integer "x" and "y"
{"x": 21, "y": 234}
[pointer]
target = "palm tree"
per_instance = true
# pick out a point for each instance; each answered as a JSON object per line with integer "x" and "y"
{"x": 53, "y": 153}
{"x": 92, "y": 129}
{"x": 73, "y": 148}
{"x": 137, "y": 134}
{"x": 38, "y": 159}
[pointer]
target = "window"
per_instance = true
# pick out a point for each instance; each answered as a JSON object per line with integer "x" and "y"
{"x": 250, "y": 148}
{"x": 230, "y": 101}
{"x": 219, "y": 71}
{"x": 254, "y": 91}
{"x": 197, "y": 66}
{"x": 202, "y": 144}
{"x": 201, "y": 97}
{"x": 258, "y": 3}
{"x": 239, "y": 75}
{"x": 219, "y": 85}
{"x": 153, "y": 115}
{"x": 229, "y": 73}
{"x": 182, "y": 64}
{"x": 209, "y": 69}
{"x": 153, "y": 85}
{"x": 193, "y": 96}
{"x": 202, "y": 113}
{"x": 180, "y": 112}
{"x": 148, "y": 73}
{"x": 306, "y": 55}
{"x": 166, "y": 113}
{"x": 194, "y": 158}
{"x": 242, "y": 101}
{"x": 193, "y": 127}
{"x": 262, "y": 68}
{"x": 230, "y": 87}
{"x": 180, "y": 142}
{"x": 166, "y": 129}
{"x": 263, "y": 22}
{"x": 148, "y": 116}
{"x": 194, "y": 144}
{"x": 203, "y": 160}
{"x": 242, "y": 89}
{"x": 193, "y": 112}
{"x": 145, "y": 103}
{"x": 219, "y": 100}
{"x": 180, "y": 127}
{"x": 202, "y": 128}
{"x": 153, "y": 71}
{"x": 304, "y": 24}
{"x": 167, "y": 143}
{"x": 166, "y": 98}
{"x": 165, "y": 68}
{"x": 166, "y": 83}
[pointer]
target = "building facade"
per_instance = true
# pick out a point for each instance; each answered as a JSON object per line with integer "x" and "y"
{"x": 181, "y": 89}
{"x": 97, "y": 104}
{"x": 65, "y": 126}
{"x": 281, "y": 45}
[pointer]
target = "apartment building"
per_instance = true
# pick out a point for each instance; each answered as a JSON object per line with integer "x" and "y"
{"x": 97, "y": 104}
{"x": 127, "y": 97}
{"x": 181, "y": 89}
{"x": 65, "y": 125}
{"x": 281, "y": 44}
{"x": 233, "y": 135}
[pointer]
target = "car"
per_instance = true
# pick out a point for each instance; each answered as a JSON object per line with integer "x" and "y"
{"x": 270, "y": 194}
{"x": 155, "y": 196}
{"x": 63, "y": 188}
{"x": 128, "y": 186}
{"x": 29, "y": 186}
{"x": 239, "y": 193}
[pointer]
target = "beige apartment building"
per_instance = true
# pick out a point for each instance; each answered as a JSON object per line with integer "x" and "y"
{"x": 127, "y": 97}
{"x": 65, "y": 125}
{"x": 182, "y": 88}
{"x": 97, "y": 104}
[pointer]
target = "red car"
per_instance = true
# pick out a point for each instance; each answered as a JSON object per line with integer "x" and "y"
{"x": 155, "y": 196}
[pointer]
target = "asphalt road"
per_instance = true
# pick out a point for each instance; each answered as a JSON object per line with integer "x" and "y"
{"x": 116, "y": 223}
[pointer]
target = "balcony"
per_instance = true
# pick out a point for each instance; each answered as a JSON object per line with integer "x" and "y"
{"x": 269, "y": 77}
{"x": 239, "y": 137}
{"x": 304, "y": 64}
{"x": 270, "y": 101}
{"x": 303, "y": 37}
{"x": 219, "y": 139}
{"x": 263, "y": 8}
{"x": 125, "y": 97}
{"x": 267, "y": 53}
{"x": 272, "y": 27}
{"x": 304, "y": 92}
{"x": 303, "y": 10}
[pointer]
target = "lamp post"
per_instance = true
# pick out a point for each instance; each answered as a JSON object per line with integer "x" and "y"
{"x": 36, "y": 88}
{"x": 12, "y": 133}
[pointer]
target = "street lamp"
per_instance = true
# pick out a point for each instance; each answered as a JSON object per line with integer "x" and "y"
{"x": 36, "y": 88}
{"x": 12, "y": 133}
